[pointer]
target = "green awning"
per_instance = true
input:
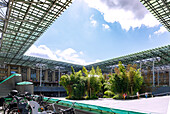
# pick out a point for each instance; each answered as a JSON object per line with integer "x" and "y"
{"x": 24, "y": 83}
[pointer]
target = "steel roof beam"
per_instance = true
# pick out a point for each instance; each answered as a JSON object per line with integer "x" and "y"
{"x": 19, "y": 29}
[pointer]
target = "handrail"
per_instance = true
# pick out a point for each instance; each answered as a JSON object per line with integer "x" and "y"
{"x": 89, "y": 107}
{"x": 142, "y": 94}
{"x": 10, "y": 77}
{"x": 166, "y": 93}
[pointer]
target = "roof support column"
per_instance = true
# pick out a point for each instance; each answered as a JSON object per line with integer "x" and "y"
{"x": 59, "y": 76}
{"x": 153, "y": 73}
{"x": 19, "y": 69}
{"x": 58, "y": 93}
{"x": 53, "y": 76}
{"x": 158, "y": 77}
{"x": 9, "y": 70}
{"x": 46, "y": 76}
{"x": 28, "y": 73}
{"x": 111, "y": 70}
{"x": 169, "y": 77}
{"x": 38, "y": 75}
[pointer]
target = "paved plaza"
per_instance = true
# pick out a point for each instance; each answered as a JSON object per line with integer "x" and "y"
{"x": 156, "y": 105}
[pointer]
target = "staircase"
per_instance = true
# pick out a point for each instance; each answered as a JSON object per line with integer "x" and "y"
{"x": 9, "y": 84}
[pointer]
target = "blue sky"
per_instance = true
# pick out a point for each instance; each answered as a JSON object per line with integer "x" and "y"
{"x": 94, "y": 30}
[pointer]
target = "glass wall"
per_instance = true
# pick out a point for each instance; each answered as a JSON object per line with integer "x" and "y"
{"x": 33, "y": 75}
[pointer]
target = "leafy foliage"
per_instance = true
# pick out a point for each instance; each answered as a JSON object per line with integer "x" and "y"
{"x": 124, "y": 80}
{"x": 84, "y": 84}
{"x": 77, "y": 84}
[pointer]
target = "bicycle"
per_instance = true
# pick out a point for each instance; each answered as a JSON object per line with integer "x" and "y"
{"x": 8, "y": 99}
{"x": 19, "y": 105}
{"x": 30, "y": 104}
{"x": 70, "y": 110}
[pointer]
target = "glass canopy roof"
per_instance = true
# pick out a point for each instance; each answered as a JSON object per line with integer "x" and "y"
{"x": 26, "y": 20}
{"x": 160, "y": 9}
{"x": 32, "y": 62}
{"x": 161, "y": 56}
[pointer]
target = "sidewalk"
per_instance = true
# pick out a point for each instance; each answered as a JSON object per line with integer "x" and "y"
{"x": 156, "y": 105}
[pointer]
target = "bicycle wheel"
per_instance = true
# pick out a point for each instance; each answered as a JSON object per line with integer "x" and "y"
{"x": 14, "y": 111}
{"x": 5, "y": 106}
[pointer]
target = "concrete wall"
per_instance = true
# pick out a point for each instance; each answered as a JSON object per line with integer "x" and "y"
{"x": 7, "y": 86}
{"x": 159, "y": 90}
{"x": 49, "y": 89}
{"x": 25, "y": 88}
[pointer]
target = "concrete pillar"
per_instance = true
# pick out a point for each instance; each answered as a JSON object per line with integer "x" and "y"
{"x": 19, "y": 70}
{"x": 46, "y": 76}
{"x": 38, "y": 75}
{"x": 59, "y": 76}
{"x": 59, "y": 94}
{"x": 153, "y": 73}
{"x": 158, "y": 77}
{"x": 169, "y": 77}
{"x": 28, "y": 73}
{"x": 53, "y": 76}
{"x": 9, "y": 70}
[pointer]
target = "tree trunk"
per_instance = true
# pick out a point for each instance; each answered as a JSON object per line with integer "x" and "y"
{"x": 131, "y": 90}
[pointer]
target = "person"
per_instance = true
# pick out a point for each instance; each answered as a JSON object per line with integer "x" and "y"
{"x": 146, "y": 94}
{"x": 137, "y": 94}
{"x": 124, "y": 96}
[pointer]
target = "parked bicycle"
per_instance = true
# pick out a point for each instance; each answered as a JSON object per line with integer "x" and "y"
{"x": 16, "y": 103}
{"x": 70, "y": 110}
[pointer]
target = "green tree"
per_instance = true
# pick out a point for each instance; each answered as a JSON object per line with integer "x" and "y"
{"x": 84, "y": 70}
{"x": 135, "y": 80}
{"x": 124, "y": 81}
{"x": 74, "y": 84}
{"x": 79, "y": 86}
{"x": 94, "y": 83}
{"x": 101, "y": 78}
{"x": 65, "y": 82}
{"x": 78, "y": 83}
{"x": 120, "y": 79}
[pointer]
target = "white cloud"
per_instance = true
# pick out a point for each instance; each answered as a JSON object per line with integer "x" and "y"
{"x": 161, "y": 30}
{"x": 81, "y": 53}
{"x": 96, "y": 61}
{"x": 70, "y": 55}
{"x": 93, "y": 22}
{"x": 67, "y": 55}
{"x": 41, "y": 51}
{"x": 129, "y": 13}
{"x": 105, "y": 26}
{"x": 150, "y": 36}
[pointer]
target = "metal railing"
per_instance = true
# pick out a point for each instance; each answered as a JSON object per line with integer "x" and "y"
{"x": 92, "y": 108}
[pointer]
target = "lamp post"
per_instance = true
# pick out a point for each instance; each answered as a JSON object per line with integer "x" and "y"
{"x": 59, "y": 76}
{"x": 153, "y": 73}
{"x": 41, "y": 66}
{"x": 111, "y": 70}
{"x": 58, "y": 68}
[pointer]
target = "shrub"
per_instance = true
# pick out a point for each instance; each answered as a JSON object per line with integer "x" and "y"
{"x": 117, "y": 96}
